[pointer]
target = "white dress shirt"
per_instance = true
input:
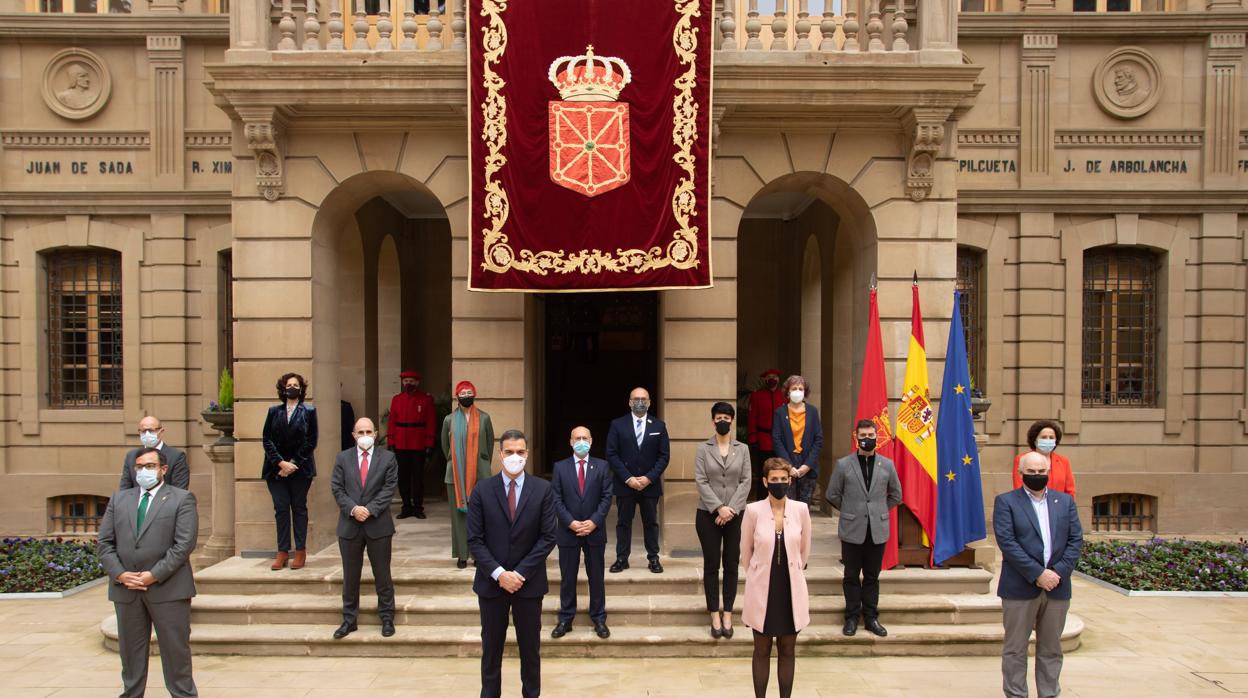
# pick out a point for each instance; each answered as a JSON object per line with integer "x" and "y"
{"x": 150, "y": 499}
{"x": 1041, "y": 506}
{"x": 507, "y": 485}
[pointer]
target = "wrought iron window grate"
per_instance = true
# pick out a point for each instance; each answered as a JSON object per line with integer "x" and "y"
{"x": 84, "y": 329}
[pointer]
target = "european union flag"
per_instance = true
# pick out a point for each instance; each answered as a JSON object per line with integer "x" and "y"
{"x": 959, "y": 497}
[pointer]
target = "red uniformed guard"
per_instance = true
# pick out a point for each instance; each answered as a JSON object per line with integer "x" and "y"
{"x": 410, "y": 434}
{"x": 763, "y": 404}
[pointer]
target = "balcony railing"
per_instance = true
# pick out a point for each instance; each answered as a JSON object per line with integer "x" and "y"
{"x": 128, "y": 7}
{"x": 816, "y": 25}
{"x": 367, "y": 25}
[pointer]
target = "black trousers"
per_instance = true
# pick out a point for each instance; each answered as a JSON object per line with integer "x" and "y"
{"x": 862, "y": 596}
{"x": 626, "y": 506}
{"x": 411, "y": 478}
{"x": 714, "y": 539}
{"x": 757, "y": 458}
{"x": 569, "y": 565}
{"x": 290, "y": 501}
{"x": 527, "y": 614}
{"x": 352, "y": 551}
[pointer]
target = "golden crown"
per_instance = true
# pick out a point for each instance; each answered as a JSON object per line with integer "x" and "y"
{"x": 589, "y": 78}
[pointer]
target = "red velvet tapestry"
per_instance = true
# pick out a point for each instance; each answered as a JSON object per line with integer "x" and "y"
{"x": 590, "y": 143}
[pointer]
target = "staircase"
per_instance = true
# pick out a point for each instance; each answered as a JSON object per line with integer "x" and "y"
{"x": 244, "y": 608}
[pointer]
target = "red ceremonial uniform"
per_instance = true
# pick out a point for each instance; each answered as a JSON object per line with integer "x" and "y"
{"x": 411, "y": 424}
{"x": 763, "y": 404}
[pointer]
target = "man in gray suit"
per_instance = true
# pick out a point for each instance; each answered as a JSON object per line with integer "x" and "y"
{"x": 145, "y": 543}
{"x": 152, "y": 435}
{"x": 363, "y": 484}
{"x": 864, "y": 487}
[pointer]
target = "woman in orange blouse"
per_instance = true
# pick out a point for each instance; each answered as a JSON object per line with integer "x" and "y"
{"x": 1043, "y": 438}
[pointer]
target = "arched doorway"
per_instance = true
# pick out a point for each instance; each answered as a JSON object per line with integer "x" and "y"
{"x": 806, "y": 247}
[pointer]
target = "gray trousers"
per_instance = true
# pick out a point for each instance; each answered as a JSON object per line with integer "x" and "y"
{"x": 1048, "y": 618}
{"x": 172, "y": 620}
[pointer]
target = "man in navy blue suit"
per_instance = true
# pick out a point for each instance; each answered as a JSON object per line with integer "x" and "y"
{"x": 637, "y": 451}
{"x": 582, "y": 486}
{"x": 1040, "y": 538}
{"x": 511, "y": 530}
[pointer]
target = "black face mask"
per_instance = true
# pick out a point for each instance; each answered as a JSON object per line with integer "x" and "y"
{"x": 777, "y": 489}
{"x": 465, "y": 402}
{"x": 292, "y": 393}
{"x": 867, "y": 445}
{"x": 722, "y": 428}
{"x": 1036, "y": 483}
{"x": 409, "y": 389}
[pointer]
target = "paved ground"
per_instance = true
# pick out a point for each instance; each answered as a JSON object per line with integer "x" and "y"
{"x": 1135, "y": 647}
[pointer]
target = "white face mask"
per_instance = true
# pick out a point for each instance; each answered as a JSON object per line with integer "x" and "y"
{"x": 514, "y": 464}
{"x": 149, "y": 438}
{"x": 146, "y": 478}
{"x": 797, "y": 396}
{"x": 364, "y": 442}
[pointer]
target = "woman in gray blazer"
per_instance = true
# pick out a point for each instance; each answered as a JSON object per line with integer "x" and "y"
{"x": 722, "y": 473}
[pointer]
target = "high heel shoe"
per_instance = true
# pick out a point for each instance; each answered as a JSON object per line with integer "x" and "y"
{"x": 716, "y": 633}
{"x": 725, "y": 632}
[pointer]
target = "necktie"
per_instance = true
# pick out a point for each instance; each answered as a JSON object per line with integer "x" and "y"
{"x": 363, "y": 468}
{"x": 147, "y": 496}
{"x": 580, "y": 475}
{"x": 641, "y": 432}
{"x": 511, "y": 499}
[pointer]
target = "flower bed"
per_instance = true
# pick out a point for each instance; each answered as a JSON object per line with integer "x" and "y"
{"x": 32, "y": 565}
{"x": 1168, "y": 565}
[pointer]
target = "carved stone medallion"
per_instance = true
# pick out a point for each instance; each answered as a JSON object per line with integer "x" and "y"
{"x": 76, "y": 84}
{"x": 1127, "y": 83}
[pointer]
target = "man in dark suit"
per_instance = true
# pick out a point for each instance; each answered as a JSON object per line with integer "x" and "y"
{"x": 582, "y": 487}
{"x": 363, "y": 484}
{"x": 865, "y": 488}
{"x": 152, "y": 435}
{"x": 1040, "y": 538}
{"x": 637, "y": 451}
{"x": 511, "y": 530}
{"x": 145, "y": 542}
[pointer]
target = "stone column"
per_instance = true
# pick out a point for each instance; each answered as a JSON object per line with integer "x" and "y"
{"x": 1036, "y": 127}
{"x": 168, "y": 105}
{"x": 1222, "y": 79}
{"x": 220, "y": 544}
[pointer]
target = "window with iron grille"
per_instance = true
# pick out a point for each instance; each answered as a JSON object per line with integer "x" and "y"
{"x": 84, "y": 328}
{"x": 1119, "y": 327}
{"x": 971, "y": 284}
{"x": 225, "y": 312}
{"x": 1124, "y": 512}
{"x": 76, "y": 513}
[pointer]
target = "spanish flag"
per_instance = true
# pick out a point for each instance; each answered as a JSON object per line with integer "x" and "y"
{"x": 916, "y": 430}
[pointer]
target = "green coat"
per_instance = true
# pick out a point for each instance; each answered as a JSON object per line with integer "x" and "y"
{"x": 485, "y": 447}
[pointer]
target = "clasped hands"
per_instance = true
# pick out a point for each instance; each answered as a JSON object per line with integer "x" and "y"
{"x": 582, "y": 528}
{"x": 511, "y": 581}
{"x": 137, "y": 581}
{"x": 724, "y": 515}
{"x": 1048, "y": 580}
{"x": 638, "y": 483}
{"x": 285, "y": 468}
{"x": 360, "y": 513}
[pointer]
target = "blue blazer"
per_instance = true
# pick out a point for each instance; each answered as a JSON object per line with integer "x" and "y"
{"x": 571, "y": 506}
{"x": 812, "y": 439}
{"x": 521, "y": 546}
{"x": 627, "y": 460}
{"x": 1017, "y": 528}
{"x": 293, "y": 440}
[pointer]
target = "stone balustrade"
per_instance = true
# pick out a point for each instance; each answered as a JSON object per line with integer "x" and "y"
{"x": 354, "y": 25}
{"x": 850, "y": 26}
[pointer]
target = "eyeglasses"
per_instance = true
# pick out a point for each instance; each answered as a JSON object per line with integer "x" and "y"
{"x": 147, "y": 466}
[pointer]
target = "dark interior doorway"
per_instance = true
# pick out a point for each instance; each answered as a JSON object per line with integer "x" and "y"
{"x": 597, "y": 348}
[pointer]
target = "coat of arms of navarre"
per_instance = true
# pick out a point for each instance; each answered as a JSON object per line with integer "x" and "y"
{"x": 589, "y": 151}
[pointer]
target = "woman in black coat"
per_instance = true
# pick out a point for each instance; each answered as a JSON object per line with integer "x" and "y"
{"x": 289, "y": 466}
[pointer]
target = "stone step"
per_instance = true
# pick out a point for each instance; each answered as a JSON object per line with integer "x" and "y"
{"x": 648, "y": 610}
{"x": 979, "y": 639}
{"x": 440, "y": 577}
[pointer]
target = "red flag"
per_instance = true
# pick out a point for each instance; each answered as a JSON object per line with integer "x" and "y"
{"x": 873, "y": 405}
{"x": 916, "y": 430}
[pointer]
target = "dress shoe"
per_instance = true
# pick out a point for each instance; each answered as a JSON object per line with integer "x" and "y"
{"x": 420, "y": 514}
{"x": 344, "y": 630}
{"x": 405, "y": 514}
{"x": 874, "y": 626}
{"x": 280, "y": 561}
{"x": 726, "y": 632}
{"x": 561, "y": 629}
{"x": 602, "y": 630}
{"x": 716, "y": 633}
{"x": 299, "y": 560}
{"x": 461, "y": 564}
{"x": 387, "y": 627}
{"x": 619, "y": 565}
{"x": 851, "y": 627}
{"x": 656, "y": 567}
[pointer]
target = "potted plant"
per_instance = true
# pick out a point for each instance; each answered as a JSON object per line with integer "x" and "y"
{"x": 979, "y": 403}
{"x": 220, "y": 412}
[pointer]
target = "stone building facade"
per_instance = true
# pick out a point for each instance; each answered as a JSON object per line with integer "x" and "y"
{"x": 191, "y": 185}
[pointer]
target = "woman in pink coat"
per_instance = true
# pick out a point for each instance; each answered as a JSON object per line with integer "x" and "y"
{"x": 775, "y": 547}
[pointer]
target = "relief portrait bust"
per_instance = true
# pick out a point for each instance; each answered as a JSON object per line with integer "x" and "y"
{"x": 1127, "y": 83}
{"x": 76, "y": 84}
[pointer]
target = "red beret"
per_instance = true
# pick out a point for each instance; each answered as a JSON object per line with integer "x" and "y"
{"x": 410, "y": 374}
{"x": 462, "y": 385}
{"x": 770, "y": 372}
